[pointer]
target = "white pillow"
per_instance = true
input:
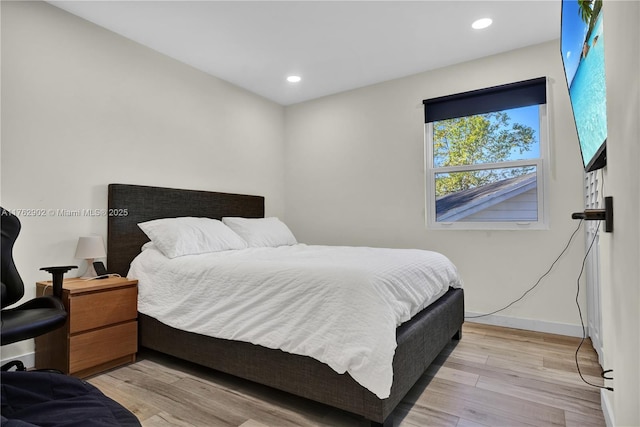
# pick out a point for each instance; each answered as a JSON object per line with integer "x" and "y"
{"x": 176, "y": 237}
{"x": 261, "y": 232}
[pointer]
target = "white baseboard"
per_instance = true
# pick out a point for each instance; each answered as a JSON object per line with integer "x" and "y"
{"x": 29, "y": 359}
{"x": 607, "y": 410}
{"x": 526, "y": 324}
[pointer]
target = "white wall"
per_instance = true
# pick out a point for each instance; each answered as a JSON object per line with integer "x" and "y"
{"x": 83, "y": 107}
{"x": 355, "y": 176}
{"x": 620, "y": 250}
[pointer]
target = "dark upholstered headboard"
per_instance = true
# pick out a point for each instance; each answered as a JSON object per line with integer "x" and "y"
{"x": 133, "y": 204}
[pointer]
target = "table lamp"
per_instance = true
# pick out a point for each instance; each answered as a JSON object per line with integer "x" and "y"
{"x": 90, "y": 248}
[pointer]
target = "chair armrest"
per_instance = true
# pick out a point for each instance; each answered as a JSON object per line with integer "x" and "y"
{"x": 58, "y": 274}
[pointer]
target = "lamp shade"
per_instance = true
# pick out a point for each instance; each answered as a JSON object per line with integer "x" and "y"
{"x": 90, "y": 247}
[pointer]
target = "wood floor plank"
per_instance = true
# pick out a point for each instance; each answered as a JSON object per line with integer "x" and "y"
{"x": 522, "y": 373}
{"x": 500, "y": 404}
{"x": 119, "y": 392}
{"x": 159, "y": 371}
{"x": 494, "y": 376}
{"x": 413, "y": 414}
{"x": 549, "y": 397}
{"x": 454, "y": 375}
{"x": 502, "y": 349}
{"x": 545, "y": 376}
{"x": 252, "y": 423}
{"x": 466, "y": 423}
{"x": 460, "y": 352}
{"x": 183, "y": 406}
{"x": 584, "y": 419}
{"x": 251, "y": 407}
{"x": 163, "y": 419}
{"x": 472, "y": 411}
{"x": 587, "y": 367}
{"x": 530, "y": 351}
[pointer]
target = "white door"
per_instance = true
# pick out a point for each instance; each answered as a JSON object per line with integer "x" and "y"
{"x": 594, "y": 200}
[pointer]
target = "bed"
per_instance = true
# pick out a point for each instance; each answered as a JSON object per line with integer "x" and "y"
{"x": 419, "y": 340}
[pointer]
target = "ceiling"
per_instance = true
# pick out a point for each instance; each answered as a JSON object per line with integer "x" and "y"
{"x": 333, "y": 45}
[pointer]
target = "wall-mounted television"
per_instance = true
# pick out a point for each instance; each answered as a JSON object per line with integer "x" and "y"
{"x": 582, "y": 49}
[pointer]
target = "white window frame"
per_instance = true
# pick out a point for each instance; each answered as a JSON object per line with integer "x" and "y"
{"x": 540, "y": 163}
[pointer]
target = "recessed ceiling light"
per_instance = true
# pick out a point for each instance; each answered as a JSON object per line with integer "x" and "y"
{"x": 294, "y": 79}
{"x": 481, "y": 23}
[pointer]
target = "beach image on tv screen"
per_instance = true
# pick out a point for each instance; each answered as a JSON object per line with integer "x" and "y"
{"x": 582, "y": 47}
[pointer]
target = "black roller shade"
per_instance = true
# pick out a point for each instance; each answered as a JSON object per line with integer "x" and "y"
{"x": 497, "y": 98}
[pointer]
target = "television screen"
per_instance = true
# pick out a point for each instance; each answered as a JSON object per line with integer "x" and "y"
{"x": 582, "y": 48}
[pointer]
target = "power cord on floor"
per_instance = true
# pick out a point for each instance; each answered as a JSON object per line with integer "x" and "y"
{"x": 584, "y": 332}
{"x": 537, "y": 282}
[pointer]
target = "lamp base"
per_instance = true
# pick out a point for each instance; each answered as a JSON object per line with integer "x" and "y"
{"x": 91, "y": 272}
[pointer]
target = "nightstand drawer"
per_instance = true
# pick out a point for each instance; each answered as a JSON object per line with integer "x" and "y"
{"x": 97, "y": 309}
{"x": 101, "y": 331}
{"x": 102, "y": 345}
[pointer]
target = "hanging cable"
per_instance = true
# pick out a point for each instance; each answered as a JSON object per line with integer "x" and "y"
{"x": 537, "y": 282}
{"x": 584, "y": 332}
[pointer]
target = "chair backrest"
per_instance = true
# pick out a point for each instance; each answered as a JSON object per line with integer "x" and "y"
{"x": 12, "y": 285}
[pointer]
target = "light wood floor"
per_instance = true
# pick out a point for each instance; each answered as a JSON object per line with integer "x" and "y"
{"x": 493, "y": 377}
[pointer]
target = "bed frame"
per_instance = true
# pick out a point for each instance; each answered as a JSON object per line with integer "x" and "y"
{"x": 419, "y": 340}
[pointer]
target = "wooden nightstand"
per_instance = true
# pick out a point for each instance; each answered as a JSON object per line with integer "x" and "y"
{"x": 101, "y": 331}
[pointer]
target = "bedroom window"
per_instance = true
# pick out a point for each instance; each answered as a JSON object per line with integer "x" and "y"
{"x": 485, "y": 153}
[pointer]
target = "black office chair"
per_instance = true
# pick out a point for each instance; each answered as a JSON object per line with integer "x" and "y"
{"x": 35, "y": 399}
{"x": 36, "y": 316}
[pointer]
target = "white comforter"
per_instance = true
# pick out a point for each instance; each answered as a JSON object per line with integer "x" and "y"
{"x": 339, "y": 305}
